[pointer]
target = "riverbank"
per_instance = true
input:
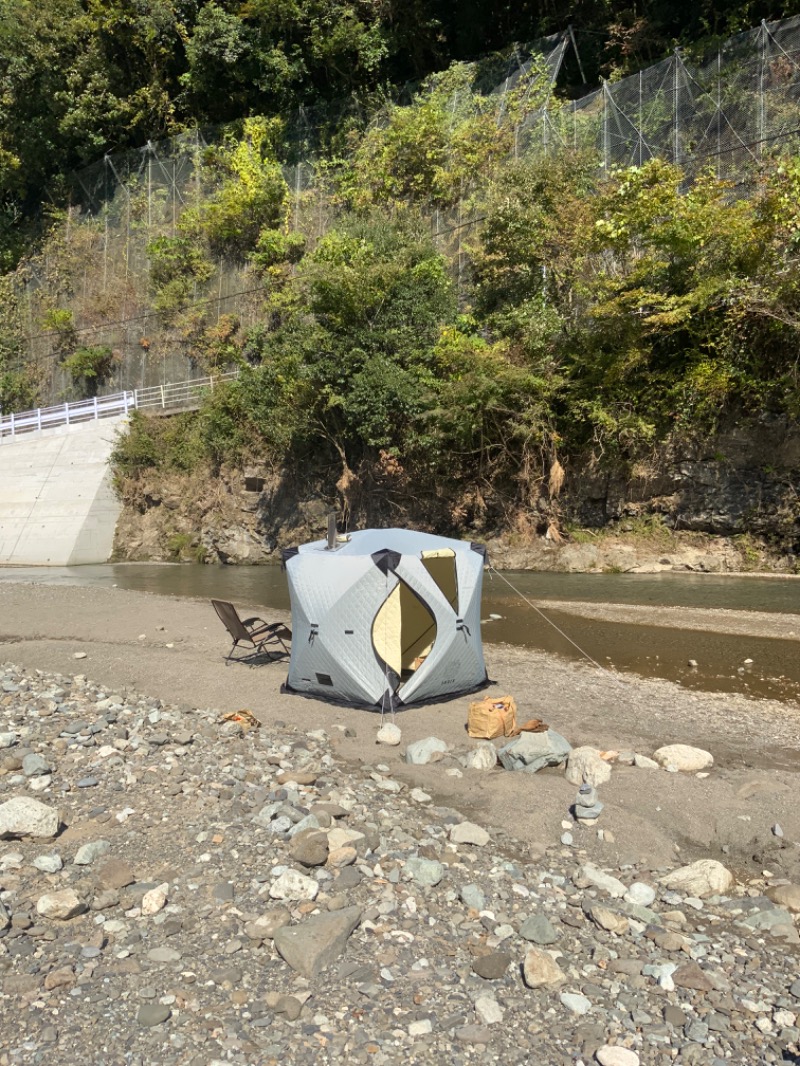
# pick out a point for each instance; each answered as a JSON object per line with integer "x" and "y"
{"x": 641, "y": 548}
{"x": 173, "y": 649}
{"x": 430, "y": 913}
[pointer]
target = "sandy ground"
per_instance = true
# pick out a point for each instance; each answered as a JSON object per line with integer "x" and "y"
{"x": 717, "y": 620}
{"x": 174, "y": 649}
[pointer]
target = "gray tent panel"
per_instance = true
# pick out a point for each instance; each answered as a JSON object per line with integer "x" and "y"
{"x": 331, "y": 607}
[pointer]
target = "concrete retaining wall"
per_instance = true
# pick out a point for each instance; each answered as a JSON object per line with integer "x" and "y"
{"x": 57, "y": 504}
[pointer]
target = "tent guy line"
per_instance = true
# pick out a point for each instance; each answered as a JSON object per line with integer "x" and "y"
{"x": 530, "y": 603}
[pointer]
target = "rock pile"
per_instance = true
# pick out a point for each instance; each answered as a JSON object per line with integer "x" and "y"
{"x": 182, "y": 890}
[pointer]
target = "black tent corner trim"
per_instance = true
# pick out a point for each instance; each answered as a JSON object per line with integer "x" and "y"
{"x": 480, "y": 549}
{"x": 386, "y": 560}
{"x": 287, "y": 554}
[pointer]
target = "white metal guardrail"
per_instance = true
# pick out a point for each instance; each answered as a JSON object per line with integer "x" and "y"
{"x": 156, "y": 397}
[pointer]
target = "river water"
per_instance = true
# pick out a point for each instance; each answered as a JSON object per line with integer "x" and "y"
{"x": 642, "y": 646}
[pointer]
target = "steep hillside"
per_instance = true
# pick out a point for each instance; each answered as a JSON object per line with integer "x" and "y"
{"x": 471, "y": 312}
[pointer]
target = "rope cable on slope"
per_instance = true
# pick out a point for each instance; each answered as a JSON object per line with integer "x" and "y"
{"x": 550, "y": 622}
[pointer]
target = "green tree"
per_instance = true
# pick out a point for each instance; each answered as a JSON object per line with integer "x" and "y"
{"x": 684, "y": 262}
{"x": 451, "y": 136}
{"x": 18, "y": 384}
{"x": 378, "y": 294}
{"x": 270, "y": 54}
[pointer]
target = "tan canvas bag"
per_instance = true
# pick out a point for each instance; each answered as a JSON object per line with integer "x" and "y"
{"x": 496, "y": 716}
{"x": 493, "y": 716}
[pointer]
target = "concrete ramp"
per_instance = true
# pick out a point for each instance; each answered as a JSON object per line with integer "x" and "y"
{"x": 57, "y": 504}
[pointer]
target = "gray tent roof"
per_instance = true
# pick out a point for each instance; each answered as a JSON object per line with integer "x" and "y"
{"x": 405, "y": 541}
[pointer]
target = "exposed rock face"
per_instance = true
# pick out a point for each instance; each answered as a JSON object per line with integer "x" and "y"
{"x": 738, "y": 482}
{"x": 734, "y": 483}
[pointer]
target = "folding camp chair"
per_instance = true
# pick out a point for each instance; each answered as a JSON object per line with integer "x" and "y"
{"x": 260, "y": 635}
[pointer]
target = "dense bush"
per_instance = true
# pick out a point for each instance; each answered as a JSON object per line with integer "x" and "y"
{"x": 598, "y": 317}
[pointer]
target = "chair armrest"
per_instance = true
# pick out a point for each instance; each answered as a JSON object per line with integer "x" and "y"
{"x": 266, "y": 627}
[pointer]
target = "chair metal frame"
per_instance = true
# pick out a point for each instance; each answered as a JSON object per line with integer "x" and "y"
{"x": 255, "y": 631}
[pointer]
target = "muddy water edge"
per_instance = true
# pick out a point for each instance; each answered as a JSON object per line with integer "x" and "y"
{"x": 626, "y": 622}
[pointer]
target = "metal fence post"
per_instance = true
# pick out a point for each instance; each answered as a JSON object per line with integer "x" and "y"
{"x": 719, "y": 113}
{"x": 66, "y": 413}
{"x": 676, "y": 150}
{"x": 762, "y": 103}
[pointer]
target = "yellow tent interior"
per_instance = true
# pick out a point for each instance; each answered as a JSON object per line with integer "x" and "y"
{"x": 404, "y": 629}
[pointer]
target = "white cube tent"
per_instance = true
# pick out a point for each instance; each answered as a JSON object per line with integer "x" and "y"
{"x": 386, "y": 617}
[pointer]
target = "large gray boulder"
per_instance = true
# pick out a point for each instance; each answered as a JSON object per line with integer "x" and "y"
{"x": 25, "y": 817}
{"x": 421, "y": 752}
{"x": 532, "y": 751}
{"x": 683, "y": 757}
{"x": 317, "y": 942}
{"x": 586, "y": 765}
{"x": 703, "y": 878}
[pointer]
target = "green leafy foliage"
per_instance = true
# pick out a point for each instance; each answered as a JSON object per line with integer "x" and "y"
{"x": 242, "y": 216}
{"x": 275, "y": 249}
{"x": 89, "y": 366}
{"x": 432, "y": 149}
{"x": 252, "y": 192}
{"x": 377, "y": 293}
{"x": 157, "y": 443}
{"x": 283, "y": 50}
{"x": 78, "y": 79}
{"x": 597, "y": 317}
{"x": 693, "y": 271}
{"x": 445, "y": 313}
{"x": 177, "y": 266}
{"x": 18, "y": 379}
{"x": 184, "y": 547}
